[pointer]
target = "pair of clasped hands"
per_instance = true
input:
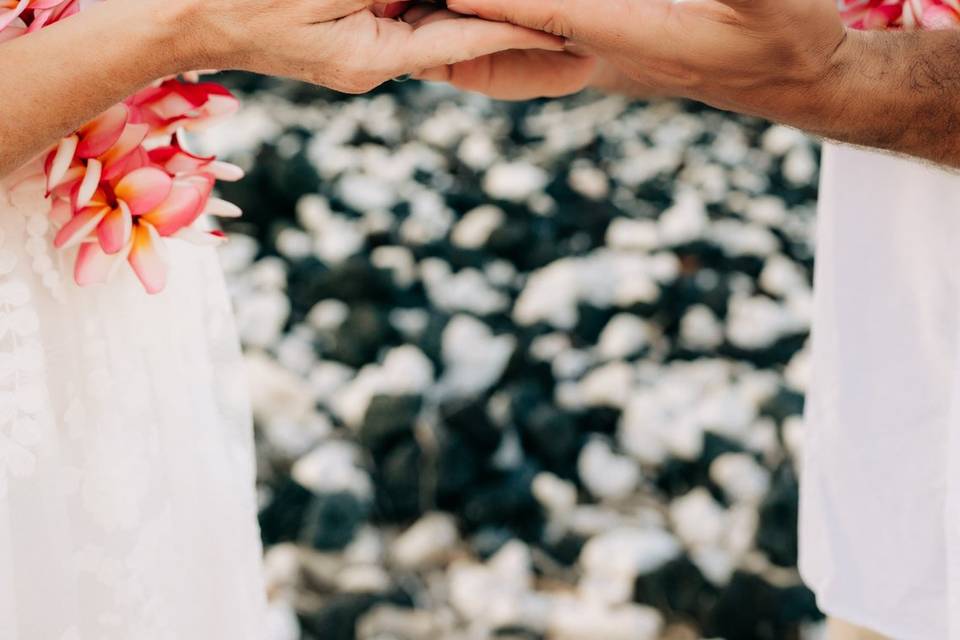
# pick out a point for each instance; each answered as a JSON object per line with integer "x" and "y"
{"x": 753, "y": 56}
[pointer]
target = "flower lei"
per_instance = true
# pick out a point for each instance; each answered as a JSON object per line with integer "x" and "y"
{"x": 901, "y": 14}
{"x": 123, "y": 183}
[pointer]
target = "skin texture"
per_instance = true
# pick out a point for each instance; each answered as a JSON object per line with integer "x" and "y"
{"x": 341, "y": 44}
{"x": 790, "y": 61}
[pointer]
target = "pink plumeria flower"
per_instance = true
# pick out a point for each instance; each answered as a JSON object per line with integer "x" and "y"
{"x": 10, "y": 10}
{"x": 174, "y": 104}
{"x": 901, "y": 14}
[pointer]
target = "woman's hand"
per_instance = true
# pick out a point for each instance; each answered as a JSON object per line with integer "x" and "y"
{"x": 341, "y": 44}
{"x": 507, "y": 75}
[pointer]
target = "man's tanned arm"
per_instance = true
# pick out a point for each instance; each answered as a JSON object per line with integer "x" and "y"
{"x": 791, "y": 61}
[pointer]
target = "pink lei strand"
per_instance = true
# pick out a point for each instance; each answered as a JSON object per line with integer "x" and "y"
{"x": 901, "y": 14}
{"x": 123, "y": 183}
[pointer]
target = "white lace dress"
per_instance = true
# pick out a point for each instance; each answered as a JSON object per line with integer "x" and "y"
{"x": 127, "y": 505}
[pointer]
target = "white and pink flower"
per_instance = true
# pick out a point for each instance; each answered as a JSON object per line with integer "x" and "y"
{"x": 901, "y": 14}
{"x": 124, "y": 183}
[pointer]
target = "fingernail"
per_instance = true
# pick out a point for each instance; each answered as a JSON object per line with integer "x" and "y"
{"x": 403, "y": 78}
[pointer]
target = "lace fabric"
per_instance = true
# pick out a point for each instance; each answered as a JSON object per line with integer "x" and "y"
{"x": 127, "y": 504}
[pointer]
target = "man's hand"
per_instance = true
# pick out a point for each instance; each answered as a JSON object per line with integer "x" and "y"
{"x": 341, "y": 44}
{"x": 791, "y": 61}
{"x": 758, "y": 56}
{"x": 506, "y": 75}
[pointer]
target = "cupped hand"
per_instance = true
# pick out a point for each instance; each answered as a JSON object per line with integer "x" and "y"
{"x": 763, "y": 57}
{"x": 341, "y": 44}
{"x": 506, "y": 75}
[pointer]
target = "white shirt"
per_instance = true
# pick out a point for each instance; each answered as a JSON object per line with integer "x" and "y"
{"x": 880, "y": 524}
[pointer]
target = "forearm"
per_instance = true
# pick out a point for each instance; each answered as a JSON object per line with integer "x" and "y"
{"x": 896, "y": 91}
{"x": 55, "y": 80}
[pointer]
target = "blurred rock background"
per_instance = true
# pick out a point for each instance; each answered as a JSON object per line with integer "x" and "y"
{"x": 523, "y": 371}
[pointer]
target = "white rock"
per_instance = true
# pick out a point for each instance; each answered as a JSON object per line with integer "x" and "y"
{"x": 474, "y": 358}
{"x": 782, "y": 276}
{"x": 428, "y": 542}
{"x": 328, "y": 315}
{"x": 275, "y": 393}
{"x": 237, "y": 254}
{"x": 367, "y": 547}
{"x": 633, "y": 235}
{"x": 780, "y": 139}
{"x": 363, "y": 192}
{"x": 547, "y": 347}
{"x": 474, "y": 229}
{"x": 327, "y": 377}
{"x": 700, "y": 329}
{"x": 337, "y": 239}
{"x": 261, "y": 316}
{"x": 333, "y": 467}
{"x": 571, "y": 364}
{"x": 363, "y": 578}
{"x": 628, "y": 551}
{"x": 697, "y": 518}
{"x": 399, "y": 261}
{"x": 576, "y": 620}
{"x": 625, "y": 335}
{"x": 557, "y": 496}
{"x": 605, "y": 474}
{"x": 757, "y": 322}
{"x": 551, "y": 295}
{"x": 281, "y": 567}
{"x": 294, "y": 243}
{"x": 740, "y": 477}
{"x": 715, "y": 563}
{"x": 405, "y": 371}
{"x": 685, "y": 221}
{"x": 800, "y": 166}
{"x": 743, "y": 239}
{"x": 498, "y": 594}
{"x": 467, "y": 290}
{"x": 478, "y": 151}
{"x": 411, "y": 323}
{"x": 429, "y": 220}
{"x": 793, "y": 436}
{"x": 514, "y": 181}
{"x": 609, "y": 385}
{"x": 294, "y": 438}
{"x": 296, "y": 350}
{"x": 589, "y": 181}
{"x": 798, "y": 373}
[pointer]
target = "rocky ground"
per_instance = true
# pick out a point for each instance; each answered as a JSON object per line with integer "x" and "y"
{"x": 523, "y": 371}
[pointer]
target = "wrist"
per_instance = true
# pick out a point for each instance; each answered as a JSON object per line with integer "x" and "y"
{"x": 172, "y": 32}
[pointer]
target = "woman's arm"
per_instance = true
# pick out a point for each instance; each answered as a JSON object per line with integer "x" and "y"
{"x": 62, "y": 76}
{"x": 58, "y": 78}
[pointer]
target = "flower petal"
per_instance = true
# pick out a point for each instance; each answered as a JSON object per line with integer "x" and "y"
{"x": 93, "y": 266}
{"x": 60, "y": 212}
{"x": 180, "y": 209}
{"x": 59, "y": 161}
{"x": 201, "y": 238}
{"x": 80, "y": 226}
{"x": 7, "y": 16}
{"x": 104, "y": 132}
{"x": 223, "y": 209}
{"x": 91, "y": 180}
{"x": 146, "y": 259}
{"x": 144, "y": 189}
{"x": 130, "y": 140}
{"x": 115, "y": 229}
{"x": 225, "y": 171}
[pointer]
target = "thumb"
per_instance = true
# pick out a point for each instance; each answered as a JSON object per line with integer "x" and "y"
{"x": 574, "y": 19}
